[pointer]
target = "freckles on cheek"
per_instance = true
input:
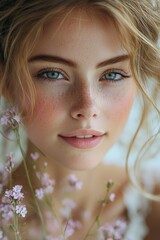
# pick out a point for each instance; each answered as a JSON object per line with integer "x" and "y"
{"x": 44, "y": 109}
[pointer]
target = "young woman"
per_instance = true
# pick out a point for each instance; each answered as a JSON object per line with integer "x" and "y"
{"x": 73, "y": 69}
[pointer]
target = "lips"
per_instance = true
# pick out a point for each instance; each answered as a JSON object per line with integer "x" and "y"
{"x": 83, "y": 138}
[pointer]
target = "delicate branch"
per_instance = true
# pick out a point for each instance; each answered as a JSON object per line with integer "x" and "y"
{"x": 103, "y": 202}
{"x": 30, "y": 186}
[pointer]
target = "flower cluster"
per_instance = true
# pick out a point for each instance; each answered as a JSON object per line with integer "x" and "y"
{"x": 5, "y": 175}
{"x": 11, "y": 208}
{"x": 47, "y": 185}
{"x": 11, "y": 203}
{"x": 10, "y": 162}
{"x": 10, "y": 121}
{"x": 73, "y": 183}
{"x": 113, "y": 231}
{"x": 65, "y": 228}
{"x": 10, "y": 118}
{"x": 68, "y": 229}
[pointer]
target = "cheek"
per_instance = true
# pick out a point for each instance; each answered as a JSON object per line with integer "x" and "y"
{"x": 123, "y": 107}
{"x": 120, "y": 107}
{"x": 46, "y": 109}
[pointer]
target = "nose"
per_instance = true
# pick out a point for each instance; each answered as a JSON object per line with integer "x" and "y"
{"x": 84, "y": 104}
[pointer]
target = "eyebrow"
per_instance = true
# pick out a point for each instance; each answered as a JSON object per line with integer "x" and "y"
{"x": 58, "y": 59}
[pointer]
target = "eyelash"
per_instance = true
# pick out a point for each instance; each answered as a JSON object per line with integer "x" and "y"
{"x": 47, "y": 70}
{"x": 60, "y": 72}
{"x": 116, "y": 72}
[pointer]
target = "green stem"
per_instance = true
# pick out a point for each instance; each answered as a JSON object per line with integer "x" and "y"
{"x": 96, "y": 221}
{"x": 10, "y": 179}
{"x": 15, "y": 235}
{"x": 15, "y": 227}
{"x": 31, "y": 187}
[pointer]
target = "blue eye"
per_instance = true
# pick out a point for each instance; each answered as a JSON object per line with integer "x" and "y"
{"x": 50, "y": 75}
{"x": 114, "y": 76}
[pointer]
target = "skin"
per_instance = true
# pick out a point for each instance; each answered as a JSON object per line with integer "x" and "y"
{"x": 81, "y": 97}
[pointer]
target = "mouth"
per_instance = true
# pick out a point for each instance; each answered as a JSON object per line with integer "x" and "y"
{"x": 83, "y": 139}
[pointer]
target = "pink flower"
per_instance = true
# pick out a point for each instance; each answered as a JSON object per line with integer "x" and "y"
{"x": 34, "y": 156}
{"x": 45, "y": 180}
{"x": 74, "y": 183}
{"x": 110, "y": 181}
{"x": 21, "y": 210}
{"x": 10, "y": 162}
{"x": 70, "y": 228}
{"x": 39, "y": 193}
{"x": 7, "y": 198}
{"x": 7, "y": 212}
{"x": 16, "y": 193}
{"x": 69, "y": 203}
{"x": 47, "y": 185}
{"x": 11, "y": 203}
{"x": 69, "y": 231}
{"x": 68, "y": 206}
{"x": 112, "y": 197}
{"x": 10, "y": 118}
{"x": 4, "y": 120}
{"x": 74, "y": 224}
{"x": 115, "y": 231}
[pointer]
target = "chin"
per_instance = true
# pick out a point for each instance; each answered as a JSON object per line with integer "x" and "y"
{"x": 81, "y": 165}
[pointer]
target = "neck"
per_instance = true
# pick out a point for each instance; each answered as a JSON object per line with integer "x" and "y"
{"x": 90, "y": 181}
{"x": 59, "y": 172}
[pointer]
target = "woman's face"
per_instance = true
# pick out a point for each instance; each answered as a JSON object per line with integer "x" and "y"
{"x": 84, "y": 87}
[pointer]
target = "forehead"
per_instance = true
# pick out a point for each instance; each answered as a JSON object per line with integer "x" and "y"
{"x": 79, "y": 31}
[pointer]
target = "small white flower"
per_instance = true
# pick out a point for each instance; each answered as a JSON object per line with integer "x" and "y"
{"x": 69, "y": 203}
{"x": 74, "y": 183}
{"x": 34, "y": 156}
{"x": 21, "y": 210}
{"x": 39, "y": 193}
{"x": 112, "y": 197}
{"x": 45, "y": 164}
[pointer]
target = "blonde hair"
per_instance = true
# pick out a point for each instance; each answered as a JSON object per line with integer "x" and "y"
{"x": 22, "y": 22}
